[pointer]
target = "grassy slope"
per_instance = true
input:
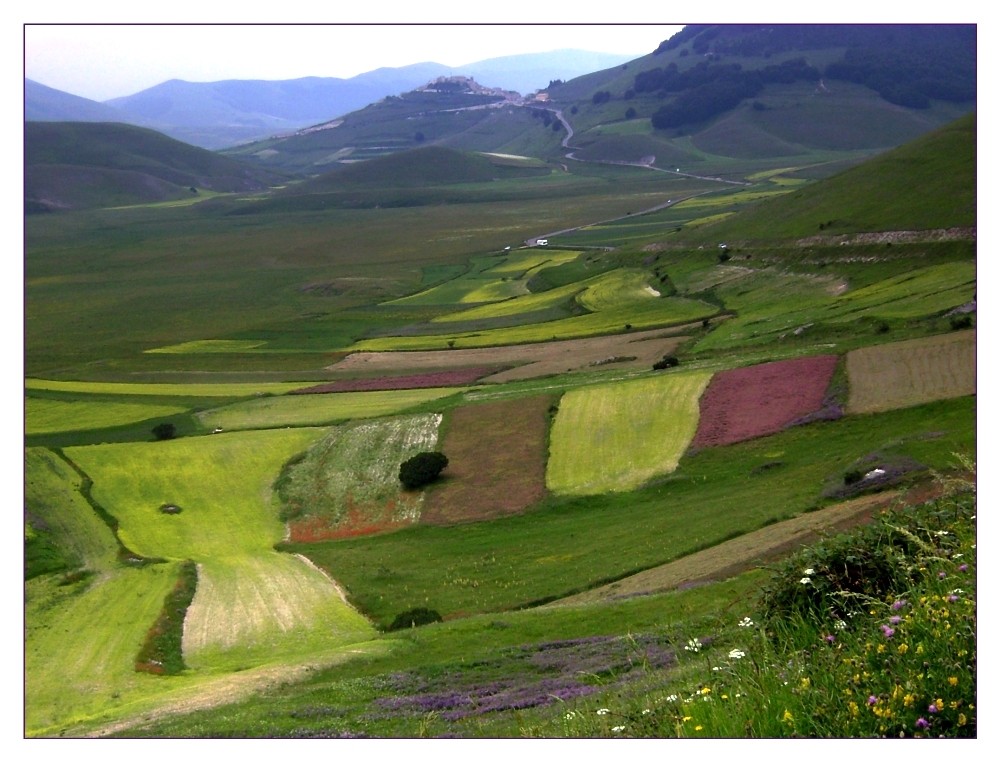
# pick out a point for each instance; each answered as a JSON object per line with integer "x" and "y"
{"x": 908, "y": 188}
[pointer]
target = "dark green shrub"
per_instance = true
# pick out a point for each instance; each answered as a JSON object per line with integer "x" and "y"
{"x": 668, "y": 361}
{"x": 421, "y": 469}
{"x": 958, "y": 322}
{"x": 853, "y": 476}
{"x": 164, "y": 431}
{"x": 414, "y": 618}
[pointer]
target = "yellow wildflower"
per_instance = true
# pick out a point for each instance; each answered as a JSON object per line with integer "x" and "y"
{"x": 853, "y": 707}
{"x": 953, "y": 681}
{"x": 787, "y": 717}
{"x": 902, "y": 648}
{"x": 804, "y": 683}
{"x": 961, "y": 719}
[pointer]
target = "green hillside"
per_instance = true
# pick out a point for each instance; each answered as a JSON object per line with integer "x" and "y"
{"x": 927, "y": 184}
{"x": 72, "y": 165}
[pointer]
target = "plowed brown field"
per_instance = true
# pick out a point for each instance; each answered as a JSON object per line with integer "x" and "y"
{"x": 496, "y": 461}
{"x": 758, "y": 400}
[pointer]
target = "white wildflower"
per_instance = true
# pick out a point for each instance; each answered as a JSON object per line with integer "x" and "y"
{"x": 693, "y": 645}
{"x": 805, "y": 581}
{"x": 617, "y": 728}
{"x": 737, "y": 654}
{"x": 603, "y": 711}
{"x": 745, "y": 622}
{"x": 840, "y": 624}
{"x": 809, "y": 572}
{"x": 672, "y": 697}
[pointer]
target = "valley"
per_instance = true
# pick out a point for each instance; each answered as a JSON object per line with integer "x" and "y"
{"x": 657, "y": 424}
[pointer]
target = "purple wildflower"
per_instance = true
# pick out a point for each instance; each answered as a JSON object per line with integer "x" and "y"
{"x": 872, "y": 700}
{"x": 888, "y": 631}
{"x": 922, "y": 723}
{"x": 932, "y": 708}
{"x": 895, "y": 620}
{"x": 952, "y": 598}
{"x": 963, "y": 567}
{"x": 941, "y": 575}
{"x": 897, "y": 605}
{"x": 830, "y": 639}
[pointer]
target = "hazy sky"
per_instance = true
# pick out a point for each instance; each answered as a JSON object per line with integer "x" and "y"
{"x": 103, "y": 61}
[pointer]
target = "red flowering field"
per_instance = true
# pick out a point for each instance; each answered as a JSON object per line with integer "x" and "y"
{"x": 359, "y": 520}
{"x": 758, "y": 400}
{"x": 458, "y": 377}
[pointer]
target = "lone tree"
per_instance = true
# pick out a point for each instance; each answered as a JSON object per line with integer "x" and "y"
{"x": 422, "y": 468}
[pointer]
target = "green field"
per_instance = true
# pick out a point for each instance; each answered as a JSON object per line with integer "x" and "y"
{"x": 615, "y": 438}
{"x": 317, "y": 409}
{"x": 48, "y": 415}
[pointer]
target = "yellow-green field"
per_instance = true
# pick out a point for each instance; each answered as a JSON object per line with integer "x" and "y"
{"x": 43, "y": 416}
{"x": 649, "y": 313}
{"x": 208, "y": 346}
{"x": 162, "y": 390}
{"x": 616, "y": 437}
{"x": 317, "y": 409}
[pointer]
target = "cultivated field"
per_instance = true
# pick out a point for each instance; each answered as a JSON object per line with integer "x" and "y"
{"x": 615, "y": 438}
{"x": 758, "y": 400}
{"x": 629, "y": 350}
{"x": 912, "y": 372}
{"x": 43, "y": 416}
{"x": 496, "y": 461}
{"x": 348, "y": 482}
{"x": 316, "y": 409}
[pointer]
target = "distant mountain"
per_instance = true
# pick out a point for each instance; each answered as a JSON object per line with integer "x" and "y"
{"x": 708, "y": 94}
{"x": 75, "y": 165}
{"x": 46, "y": 104}
{"x": 531, "y": 72}
{"x": 747, "y": 91}
{"x": 227, "y": 113}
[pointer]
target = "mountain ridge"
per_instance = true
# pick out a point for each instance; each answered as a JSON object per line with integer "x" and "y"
{"x": 225, "y": 113}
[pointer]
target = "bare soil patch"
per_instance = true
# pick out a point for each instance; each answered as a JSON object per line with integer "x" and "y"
{"x": 496, "y": 461}
{"x": 629, "y": 350}
{"x": 759, "y": 400}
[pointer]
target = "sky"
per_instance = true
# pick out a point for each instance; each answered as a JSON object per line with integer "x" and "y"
{"x": 105, "y": 49}
{"x": 104, "y": 61}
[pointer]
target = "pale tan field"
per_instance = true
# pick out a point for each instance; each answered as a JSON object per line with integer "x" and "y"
{"x": 914, "y": 372}
{"x": 531, "y": 360}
